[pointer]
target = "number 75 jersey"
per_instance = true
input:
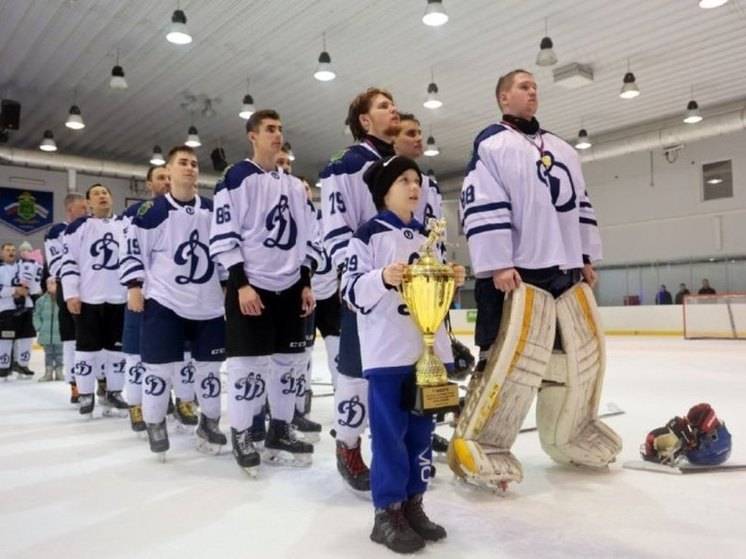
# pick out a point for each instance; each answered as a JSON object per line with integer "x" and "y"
{"x": 168, "y": 250}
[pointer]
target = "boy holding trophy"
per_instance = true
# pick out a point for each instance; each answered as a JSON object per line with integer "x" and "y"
{"x": 377, "y": 264}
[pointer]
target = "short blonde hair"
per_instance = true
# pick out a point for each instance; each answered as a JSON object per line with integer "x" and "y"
{"x": 506, "y": 82}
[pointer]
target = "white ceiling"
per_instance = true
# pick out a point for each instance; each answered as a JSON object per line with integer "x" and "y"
{"x": 49, "y": 48}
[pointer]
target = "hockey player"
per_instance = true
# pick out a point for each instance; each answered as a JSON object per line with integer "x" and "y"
{"x": 527, "y": 219}
{"x": 94, "y": 296}
{"x": 260, "y": 232}
{"x": 345, "y": 205}
{"x": 18, "y": 281}
{"x": 391, "y": 343}
{"x": 75, "y": 207}
{"x": 158, "y": 183}
{"x": 182, "y": 300}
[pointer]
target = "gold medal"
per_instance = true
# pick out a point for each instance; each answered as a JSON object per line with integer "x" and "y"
{"x": 546, "y": 160}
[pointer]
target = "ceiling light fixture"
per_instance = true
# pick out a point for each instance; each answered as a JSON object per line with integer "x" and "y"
{"x": 584, "y": 141}
{"x": 74, "y": 118}
{"x": 289, "y": 150}
{"x": 247, "y": 108}
{"x": 431, "y": 148}
{"x": 324, "y": 71}
{"x": 117, "y": 76}
{"x": 708, "y": 4}
{"x": 546, "y": 56}
{"x": 629, "y": 85}
{"x": 715, "y": 180}
{"x": 178, "y": 33}
{"x": 193, "y": 140}
{"x": 48, "y": 143}
{"x": 692, "y": 115}
{"x": 157, "y": 156}
{"x": 435, "y": 14}
{"x": 432, "y": 102}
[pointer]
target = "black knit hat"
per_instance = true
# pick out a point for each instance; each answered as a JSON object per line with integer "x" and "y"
{"x": 381, "y": 175}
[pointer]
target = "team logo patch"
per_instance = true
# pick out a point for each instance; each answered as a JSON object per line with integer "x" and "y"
{"x": 196, "y": 255}
{"x": 353, "y": 410}
{"x": 210, "y": 386}
{"x": 280, "y": 222}
{"x": 249, "y": 387}
{"x": 108, "y": 249}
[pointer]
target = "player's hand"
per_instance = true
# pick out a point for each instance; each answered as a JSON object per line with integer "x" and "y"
{"x": 249, "y": 301}
{"x": 589, "y": 275}
{"x": 507, "y": 279}
{"x": 459, "y": 274}
{"x": 308, "y": 302}
{"x": 20, "y": 291}
{"x": 135, "y": 299}
{"x": 394, "y": 273}
{"x": 73, "y": 305}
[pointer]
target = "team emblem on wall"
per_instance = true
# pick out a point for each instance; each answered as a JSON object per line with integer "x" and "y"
{"x": 26, "y": 211}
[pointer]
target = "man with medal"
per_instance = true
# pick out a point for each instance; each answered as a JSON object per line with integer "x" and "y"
{"x": 533, "y": 238}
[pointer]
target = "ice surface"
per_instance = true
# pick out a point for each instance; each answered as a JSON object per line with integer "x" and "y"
{"x": 74, "y": 488}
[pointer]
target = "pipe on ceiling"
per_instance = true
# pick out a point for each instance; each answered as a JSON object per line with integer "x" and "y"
{"x": 98, "y": 167}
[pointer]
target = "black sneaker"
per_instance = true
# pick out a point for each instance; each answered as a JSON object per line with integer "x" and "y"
{"x": 420, "y": 523}
{"x": 392, "y": 530}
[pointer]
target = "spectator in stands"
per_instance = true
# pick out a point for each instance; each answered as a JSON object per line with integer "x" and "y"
{"x": 681, "y": 293}
{"x": 663, "y": 297}
{"x": 706, "y": 289}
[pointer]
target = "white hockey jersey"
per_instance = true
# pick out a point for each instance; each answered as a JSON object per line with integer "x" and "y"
{"x": 262, "y": 220}
{"x": 54, "y": 248}
{"x": 389, "y": 339}
{"x": 520, "y": 208}
{"x": 346, "y": 202}
{"x": 21, "y": 273}
{"x": 324, "y": 282}
{"x": 90, "y": 268}
{"x": 168, "y": 250}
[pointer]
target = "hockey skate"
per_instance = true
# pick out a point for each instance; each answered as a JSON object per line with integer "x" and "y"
{"x": 113, "y": 404}
{"x": 5, "y": 373}
{"x": 310, "y": 431}
{"x": 351, "y": 466}
{"x": 158, "y": 439}
{"x": 440, "y": 445}
{"x": 209, "y": 437}
{"x": 283, "y": 449}
{"x": 22, "y": 371}
{"x": 185, "y": 415}
{"x": 258, "y": 431}
{"x": 392, "y": 529}
{"x": 87, "y": 403}
{"x": 244, "y": 451}
{"x": 136, "y": 421}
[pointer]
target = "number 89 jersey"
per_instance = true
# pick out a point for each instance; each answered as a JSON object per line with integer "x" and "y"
{"x": 167, "y": 248}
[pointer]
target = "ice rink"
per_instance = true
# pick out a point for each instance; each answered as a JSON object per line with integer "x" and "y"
{"x": 78, "y": 488}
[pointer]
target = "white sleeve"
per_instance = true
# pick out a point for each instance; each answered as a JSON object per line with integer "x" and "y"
{"x": 225, "y": 230}
{"x": 486, "y": 214}
{"x": 364, "y": 285}
{"x": 338, "y": 223}
{"x": 136, "y": 251}
{"x": 590, "y": 236}
{"x": 53, "y": 253}
{"x": 70, "y": 268}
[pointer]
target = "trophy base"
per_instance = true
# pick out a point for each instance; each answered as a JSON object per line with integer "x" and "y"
{"x": 442, "y": 398}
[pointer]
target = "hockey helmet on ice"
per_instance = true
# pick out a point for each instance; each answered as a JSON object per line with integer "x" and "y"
{"x": 665, "y": 444}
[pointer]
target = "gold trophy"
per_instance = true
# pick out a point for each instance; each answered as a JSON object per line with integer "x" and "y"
{"x": 427, "y": 288}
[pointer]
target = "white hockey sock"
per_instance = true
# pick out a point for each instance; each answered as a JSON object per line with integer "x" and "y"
{"x": 303, "y": 382}
{"x": 23, "y": 351}
{"x": 100, "y": 370}
{"x": 185, "y": 377}
{"x": 68, "y": 360}
{"x": 6, "y": 351}
{"x": 156, "y": 390}
{"x": 247, "y": 388}
{"x": 86, "y": 365}
{"x": 332, "y": 356}
{"x": 207, "y": 382}
{"x": 350, "y": 408}
{"x": 114, "y": 370}
{"x": 134, "y": 373}
{"x": 282, "y": 384}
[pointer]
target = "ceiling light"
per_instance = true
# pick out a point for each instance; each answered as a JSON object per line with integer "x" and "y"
{"x": 318, "y": 184}
{"x": 178, "y": 33}
{"x": 584, "y": 141}
{"x": 629, "y": 87}
{"x": 117, "y": 78}
{"x": 157, "y": 157}
{"x": 289, "y": 150}
{"x": 546, "y": 56}
{"x": 435, "y": 14}
{"x": 75, "y": 119}
{"x": 707, "y": 4}
{"x": 692, "y": 113}
{"x": 247, "y": 108}
{"x": 193, "y": 138}
{"x": 432, "y": 101}
{"x": 716, "y": 180}
{"x": 324, "y": 71}
{"x": 431, "y": 148}
{"x": 48, "y": 143}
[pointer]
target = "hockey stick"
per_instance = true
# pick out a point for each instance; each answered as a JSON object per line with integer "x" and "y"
{"x": 684, "y": 468}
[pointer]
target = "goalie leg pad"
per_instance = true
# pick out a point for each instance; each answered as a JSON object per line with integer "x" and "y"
{"x": 567, "y": 407}
{"x": 501, "y": 396}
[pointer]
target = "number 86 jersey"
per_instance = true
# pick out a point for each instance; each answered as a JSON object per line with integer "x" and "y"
{"x": 168, "y": 250}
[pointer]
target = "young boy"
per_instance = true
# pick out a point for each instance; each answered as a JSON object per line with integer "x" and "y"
{"x": 261, "y": 232}
{"x": 391, "y": 343}
{"x": 168, "y": 253}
